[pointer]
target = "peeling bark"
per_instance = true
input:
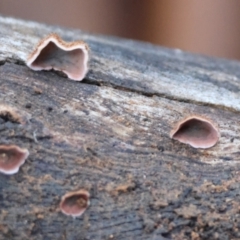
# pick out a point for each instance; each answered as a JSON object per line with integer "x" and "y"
{"x": 109, "y": 135}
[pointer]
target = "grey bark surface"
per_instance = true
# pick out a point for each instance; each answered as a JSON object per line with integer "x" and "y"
{"x": 109, "y": 134}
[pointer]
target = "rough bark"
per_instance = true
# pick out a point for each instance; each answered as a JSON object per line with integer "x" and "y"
{"x": 109, "y": 134}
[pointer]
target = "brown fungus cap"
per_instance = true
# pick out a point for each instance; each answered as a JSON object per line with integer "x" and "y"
{"x": 54, "y": 53}
{"x": 75, "y": 203}
{"x": 196, "y": 131}
{"x": 11, "y": 158}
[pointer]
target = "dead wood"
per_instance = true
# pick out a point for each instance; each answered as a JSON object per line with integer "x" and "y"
{"x": 109, "y": 134}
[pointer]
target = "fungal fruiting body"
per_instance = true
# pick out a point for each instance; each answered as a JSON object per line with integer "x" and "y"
{"x": 11, "y": 158}
{"x": 197, "y": 132}
{"x": 75, "y": 203}
{"x": 54, "y": 53}
{"x": 8, "y": 114}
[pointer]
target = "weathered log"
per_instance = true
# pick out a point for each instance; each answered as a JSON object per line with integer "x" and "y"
{"x": 109, "y": 135}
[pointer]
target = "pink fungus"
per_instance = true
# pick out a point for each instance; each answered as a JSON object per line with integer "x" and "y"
{"x": 75, "y": 203}
{"x": 11, "y": 158}
{"x": 54, "y": 53}
{"x": 196, "y": 131}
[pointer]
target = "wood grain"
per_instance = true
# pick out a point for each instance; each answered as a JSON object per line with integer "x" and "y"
{"x": 109, "y": 134}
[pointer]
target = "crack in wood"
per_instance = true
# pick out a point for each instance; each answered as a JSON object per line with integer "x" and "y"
{"x": 87, "y": 80}
{"x": 113, "y": 128}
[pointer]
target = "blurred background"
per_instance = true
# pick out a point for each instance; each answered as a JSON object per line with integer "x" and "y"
{"x": 209, "y": 27}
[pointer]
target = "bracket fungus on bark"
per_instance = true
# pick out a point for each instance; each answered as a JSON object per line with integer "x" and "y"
{"x": 11, "y": 158}
{"x": 54, "y": 53}
{"x": 75, "y": 203}
{"x": 197, "y": 132}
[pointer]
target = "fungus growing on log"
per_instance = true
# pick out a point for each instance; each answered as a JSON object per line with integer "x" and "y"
{"x": 196, "y": 131}
{"x": 75, "y": 203}
{"x": 11, "y": 158}
{"x": 8, "y": 114}
{"x": 54, "y": 53}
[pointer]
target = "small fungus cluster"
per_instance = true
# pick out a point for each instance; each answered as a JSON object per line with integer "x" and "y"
{"x": 72, "y": 59}
{"x": 12, "y": 157}
{"x": 54, "y": 53}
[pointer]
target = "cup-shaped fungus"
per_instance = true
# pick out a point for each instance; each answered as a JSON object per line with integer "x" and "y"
{"x": 196, "y": 131}
{"x": 8, "y": 114}
{"x": 54, "y": 53}
{"x": 75, "y": 203}
{"x": 11, "y": 158}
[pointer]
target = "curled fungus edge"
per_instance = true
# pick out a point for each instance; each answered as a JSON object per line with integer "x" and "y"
{"x": 54, "y": 53}
{"x": 196, "y": 131}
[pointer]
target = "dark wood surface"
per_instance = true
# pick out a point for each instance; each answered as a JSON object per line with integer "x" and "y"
{"x": 109, "y": 134}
